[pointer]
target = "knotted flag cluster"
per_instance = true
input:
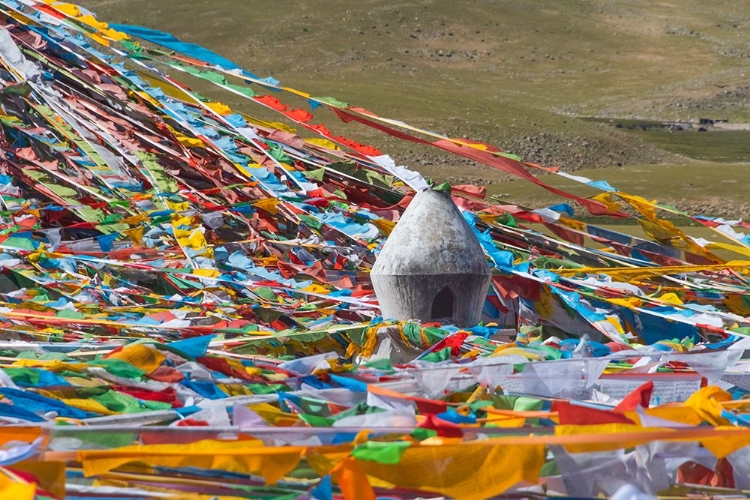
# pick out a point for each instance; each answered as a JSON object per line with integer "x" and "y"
{"x": 186, "y": 310}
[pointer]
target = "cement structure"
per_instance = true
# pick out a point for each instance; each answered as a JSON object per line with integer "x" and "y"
{"x": 432, "y": 267}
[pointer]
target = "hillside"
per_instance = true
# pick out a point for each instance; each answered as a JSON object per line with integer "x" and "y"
{"x": 517, "y": 74}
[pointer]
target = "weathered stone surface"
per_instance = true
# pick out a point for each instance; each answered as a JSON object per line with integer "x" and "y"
{"x": 432, "y": 266}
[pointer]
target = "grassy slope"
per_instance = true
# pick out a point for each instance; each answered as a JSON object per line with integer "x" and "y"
{"x": 518, "y": 72}
{"x": 695, "y": 187}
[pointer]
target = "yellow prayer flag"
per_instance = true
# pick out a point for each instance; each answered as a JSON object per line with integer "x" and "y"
{"x": 609, "y": 201}
{"x": 645, "y": 207}
{"x": 464, "y": 471}
{"x": 51, "y": 475}
{"x": 594, "y": 445}
{"x": 135, "y": 219}
{"x": 102, "y": 27}
{"x": 706, "y": 403}
{"x": 270, "y": 205}
{"x": 135, "y": 234}
{"x": 736, "y": 303}
{"x": 53, "y": 365}
{"x": 244, "y": 456}
{"x": 87, "y": 404}
{"x": 629, "y": 302}
{"x": 267, "y": 124}
{"x": 572, "y": 223}
{"x": 732, "y": 248}
{"x": 670, "y": 298}
{"x": 179, "y": 207}
{"x": 141, "y": 356}
{"x": 66, "y": 8}
{"x": 314, "y": 288}
{"x": 15, "y": 488}
{"x": 385, "y": 226}
{"x": 219, "y": 108}
{"x": 296, "y": 92}
{"x": 680, "y": 414}
{"x": 208, "y": 273}
{"x": 273, "y": 415}
{"x": 721, "y": 446}
{"x": 323, "y": 143}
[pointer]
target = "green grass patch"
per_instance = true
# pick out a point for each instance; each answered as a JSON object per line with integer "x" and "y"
{"x": 727, "y": 146}
{"x": 692, "y": 186}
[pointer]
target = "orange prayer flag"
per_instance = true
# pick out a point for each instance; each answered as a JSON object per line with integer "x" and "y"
{"x": 352, "y": 481}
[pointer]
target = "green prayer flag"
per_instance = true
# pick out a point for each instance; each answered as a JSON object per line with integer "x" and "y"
{"x": 441, "y": 355}
{"x": 265, "y": 292}
{"x": 331, "y": 101}
{"x": 119, "y": 368}
{"x": 381, "y": 452}
{"x": 310, "y": 221}
{"x": 511, "y": 156}
{"x": 421, "y": 434}
{"x": 316, "y": 174}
